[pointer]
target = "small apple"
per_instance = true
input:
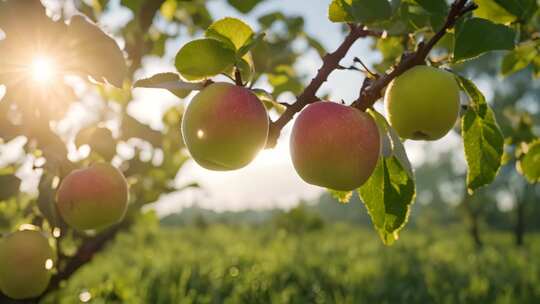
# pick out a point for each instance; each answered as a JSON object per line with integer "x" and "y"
{"x": 93, "y": 198}
{"x": 334, "y": 146}
{"x": 423, "y": 103}
{"x": 26, "y": 260}
{"x": 225, "y": 126}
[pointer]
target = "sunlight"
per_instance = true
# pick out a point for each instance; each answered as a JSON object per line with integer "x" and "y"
{"x": 42, "y": 69}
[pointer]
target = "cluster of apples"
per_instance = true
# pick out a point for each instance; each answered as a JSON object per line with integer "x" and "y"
{"x": 332, "y": 145}
{"x": 224, "y": 127}
{"x": 88, "y": 199}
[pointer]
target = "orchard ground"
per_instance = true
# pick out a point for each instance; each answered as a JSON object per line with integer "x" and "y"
{"x": 332, "y": 263}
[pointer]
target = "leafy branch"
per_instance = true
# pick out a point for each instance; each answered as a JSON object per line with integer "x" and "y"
{"x": 372, "y": 88}
{"x": 330, "y": 63}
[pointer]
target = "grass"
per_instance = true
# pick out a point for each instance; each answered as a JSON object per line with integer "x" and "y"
{"x": 335, "y": 264}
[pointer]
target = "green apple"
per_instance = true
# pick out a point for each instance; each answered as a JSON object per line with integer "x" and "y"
{"x": 225, "y": 126}
{"x": 334, "y": 146}
{"x": 423, "y": 103}
{"x": 26, "y": 260}
{"x": 93, "y": 198}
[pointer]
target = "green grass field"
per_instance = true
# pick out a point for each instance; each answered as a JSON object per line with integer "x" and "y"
{"x": 336, "y": 264}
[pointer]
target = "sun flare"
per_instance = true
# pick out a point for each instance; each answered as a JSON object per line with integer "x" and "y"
{"x": 42, "y": 69}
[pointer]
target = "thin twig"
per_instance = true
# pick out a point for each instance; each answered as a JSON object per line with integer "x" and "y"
{"x": 374, "y": 91}
{"x": 330, "y": 63}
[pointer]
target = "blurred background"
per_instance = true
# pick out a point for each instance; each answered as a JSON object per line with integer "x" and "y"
{"x": 262, "y": 235}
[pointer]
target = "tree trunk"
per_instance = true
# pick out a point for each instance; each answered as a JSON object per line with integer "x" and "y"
{"x": 519, "y": 230}
{"x": 474, "y": 219}
{"x": 475, "y": 231}
{"x": 529, "y": 194}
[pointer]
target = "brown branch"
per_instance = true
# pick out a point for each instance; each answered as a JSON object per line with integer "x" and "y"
{"x": 374, "y": 91}
{"x": 330, "y": 63}
{"x": 84, "y": 254}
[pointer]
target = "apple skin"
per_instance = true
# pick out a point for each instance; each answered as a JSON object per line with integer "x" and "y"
{"x": 334, "y": 146}
{"x": 423, "y": 103}
{"x": 23, "y": 259}
{"x": 224, "y": 127}
{"x": 93, "y": 198}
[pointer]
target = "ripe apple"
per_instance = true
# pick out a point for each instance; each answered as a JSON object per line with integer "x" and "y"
{"x": 26, "y": 260}
{"x": 225, "y": 126}
{"x": 423, "y": 103}
{"x": 93, "y": 198}
{"x": 334, "y": 146}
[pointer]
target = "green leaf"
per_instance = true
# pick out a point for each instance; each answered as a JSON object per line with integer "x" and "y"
{"x": 170, "y": 82}
{"x": 100, "y": 140}
{"x": 519, "y": 58}
{"x": 284, "y": 79}
{"x": 251, "y": 43}
{"x": 489, "y": 9}
{"x": 269, "y": 101}
{"x": 477, "y": 36}
{"x": 439, "y": 7}
{"x": 95, "y": 53}
{"x": 244, "y": 6}
{"x": 523, "y": 9}
{"x": 316, "y": 45}
{"x": 204, "y": 58}
{"x": 341, "y": 196}
{"x": 9, "y": 186}
{"x": 529, "y": 164}
{"x": 390, "y": 191}
{"x": 132, "y": 128}
{"x": 231, "y": 31}
{"x": 46, "y": 200}
{"x": 359, "y": 11}
{"x": 482, "y": 138}
{"x": 388, "y": 194}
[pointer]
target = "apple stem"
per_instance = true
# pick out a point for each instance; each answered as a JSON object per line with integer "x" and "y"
{"x": 238, "y": 77}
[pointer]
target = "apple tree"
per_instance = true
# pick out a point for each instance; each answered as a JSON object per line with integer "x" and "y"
{"x": 97, "y": 171}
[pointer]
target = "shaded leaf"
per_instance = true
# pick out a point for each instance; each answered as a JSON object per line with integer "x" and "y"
{"x": 9, "y": 186}
{"x": 132, "y": 128}
{"x": 244, "y": 6}
{"x": 94, "y": 53}
{"x": 523, "y": 9}
{"x": 100, "y": 140}
{"x": 477, "y": 36}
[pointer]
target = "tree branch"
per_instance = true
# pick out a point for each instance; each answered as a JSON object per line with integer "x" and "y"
{"x": 84, "y": 254}
{"x": 374, "y": 91}
{"x": 330, "y": 63}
